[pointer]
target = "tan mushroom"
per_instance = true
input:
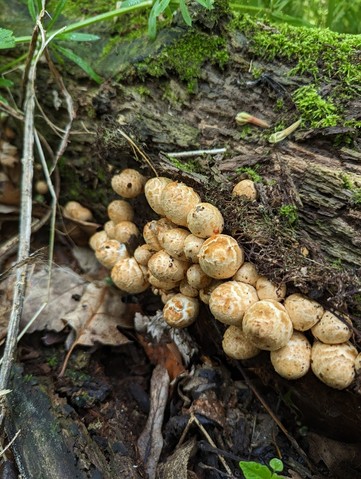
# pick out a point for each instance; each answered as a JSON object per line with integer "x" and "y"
{"x": 220, "y": 256}
{"x": 331, "y": 330}
{"x": 164, "y": 285}
{"x": 97, "y": 239}
{"x": 267, "y": 325}
{"x": 358, "y": 364}
{"x": 245, "y": 189}
{"x": 177, "y": 200}
{"x": 109, "y": 228}
{"x": 247, "y": 273}
{"x": 230, "y": 300}
{"x": 166, "y": 268}
{"x": 334, "y": 364}
{"x": 197, "y": 278}
{"x": 293, "y": 360}
{"x": 236, "y": 345}
{"x": 180, "y": 311}
{"x": 150, "y": 235}
{"x": 128, "y": 183}
{"x": 143, "y": 253}
{"x": 120, "y": 210}
{"x": 129, "y": 276}
{"x": 126, "y": 232}
{"x": 76, "y": 211}
{"x": 110, "y": 252}
{"x": 205, "y": 293}
{"x": 188, "y": 290}
{"x": 205, "y": 220}
{"x": 268, "y": 290}
{"x": 172, "y": 241}
{"x": 153, "y": 190}
{"x": 304, "y": 312}
{"x": 192, "y": 245}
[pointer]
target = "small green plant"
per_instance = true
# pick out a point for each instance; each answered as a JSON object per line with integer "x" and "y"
{"x": 289, "y": 213}
{"x": 251, "y": 172}
{"x": 254, "y": 470}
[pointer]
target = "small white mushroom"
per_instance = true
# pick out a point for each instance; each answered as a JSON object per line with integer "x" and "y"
{"x": 230, "y": 300}
{"x": 192, "y": 245}
{"x": 109, "y": 228}
{"x": 304, "y": 312}
{"x": 126, "y": 232}
{"x": 267, "y": 325}
{"x": 245, "y": 189}
{"x": 110, "y": 252}
{"x": 220, "y": 256}
{"x": 172, "y": 241}
{"x": 164, "y": 267}
{"x": 76, "y": 211}
{"x": 143, "y": 253}
{"x": 180, "y": 311}
{"x": 237, "y": 346}
{"x": 331, "y": 330}
{"x": 128, "y": 183}
{"x": 164, "y": 285}
{"x": 153, "y": 190}
{"x": 205, "y": 220}
{"x": 150, "y": 235}
{"x": 188, "y": 290}
{"x": 129, "y": 276}
{"x": 293, "y": 360}
{"x": 197, "y": 278}
{"x": 177, "y": 200}
{"x": 247, "y": 273}
{"x": 205, "y": 293}
{"x": 268, "y": 290}
{"x": 334, "y": 364}
{"x": 97, "y": 239}
{"x": 120, "y": 210}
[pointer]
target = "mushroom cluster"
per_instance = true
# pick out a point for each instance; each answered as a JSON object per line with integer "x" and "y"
{"x": 187, "y": 259}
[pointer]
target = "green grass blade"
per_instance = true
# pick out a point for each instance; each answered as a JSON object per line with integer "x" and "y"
{"x": 60, "y": 4}
{"x": 78, "y": 37}
{"x": 66, "y": 52}
{"x": 185, "y": 12}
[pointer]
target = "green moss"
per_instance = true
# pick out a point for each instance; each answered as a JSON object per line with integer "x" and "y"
{"x": 186, "y": 57}
{"x": 349, "y": 184}
{"x": 289, "y": 213}
{"x": 314, "y": 109}
{"x": 190, "y": 166}
{"x": 251, "y": 172}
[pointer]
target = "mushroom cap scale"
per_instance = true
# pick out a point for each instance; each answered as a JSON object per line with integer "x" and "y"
{"x": 293, "y": 360}
{"x": 304, "y": 312}
{"x": 180, "y": 311}
{"x": 205, "y": 220}
{"x": 230, "y": 300}
{"x": 267, "y": 325}
{"x": 220, "y": 256}
{"x": 236, "y": 345}
{"x": 334, "y": 364}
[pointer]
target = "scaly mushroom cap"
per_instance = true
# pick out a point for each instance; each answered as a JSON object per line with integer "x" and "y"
{"x": 358, "y": 363}
{"x": 129, "y": 276}
{"x": 188, "y": 290}
{"x": 236, "y": 345}
{"x": 110, "y": 252}
{"x": 334, "y": 364}
{"x": 177, "y": 200}
{"x": 128, "y": 183}
{"x": 268, "y": 290}
{"x": 172, "y": 241}
{"x": 331, "y": 330}
{"x": 220, "y": 256}
{"x": 205, "y": 293}
{"x": 230, "y": 300}
{"x": 293, "y": 360}
{"x": 304, "y": 312}
{"x": 76, "y": 211}
{"x": 267, "y": 325}
{"x": 205, "y": 220}
{"x": 166, "y": 268}
{"x": 245, "y": 189}
{"x": 109, "y": 228}
{"x": 126, "y": 232}
{"x": 97, "y": 239}
{"x": 247, "y": 273}
{"x": 150, "y": 235}
{"x": 120, "y": 210}
{"x": 153, "y": 190}
{"x": 197, "y": 278}
{"x": 164, "y": 285}
{"x": 143, "y": 253}
{"x": 192, "y": 245}
{"x": 180, "y": 311}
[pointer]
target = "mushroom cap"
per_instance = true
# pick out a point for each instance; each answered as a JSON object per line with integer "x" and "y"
{"x": 358, "y": 363}
{"x": 97, "y": 239}
{"x": 177, "y": 200}
{"x": 188, "y": 290}
{"x": 120, "y": 210}
{"x": 230, "y": 300}
{"x": 220, "y": 256}
{"x": 150, "y": 235}
{"x": 129, "y": 276}
{"x": 334, "y": 364}
{"x": 247, "y": 273}
{"x": 126, "y": 232}
{"x": 205, "y": 220}
{"x": 205, "y": 293}
{"x": 143, "y": 253}
{"x": 197, "y": 278}
{"x": 110, "y": 252}
{"x": 268, "y": 290}
{"x": 180, "y": 311}
{"x": 128, "y": 183}
{"x": 304, "y": 312}
{"x": 76, "y": 211}
{"x": 293, "y": 360}
{"x": 172, "y": 241}
{"x": 41, "y": 187}
{"x": 165, "y": 285}
{"x": 192, "y": 245}
{"x": 236, "y": 345}
{"x": 267, "y": 325}
{"x": 109, "y": 228}
{"x": 331, "y": 330}
{"x": 245, "y": 189}
{"x": 166, "y": 268}
{"x": 153, "y": 190}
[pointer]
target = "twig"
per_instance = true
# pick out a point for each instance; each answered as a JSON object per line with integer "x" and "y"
{"x": 137, "y": 149}
{"x": 189, "y": 154}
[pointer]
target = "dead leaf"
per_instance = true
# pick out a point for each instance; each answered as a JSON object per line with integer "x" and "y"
{"x": 176, "y": 466}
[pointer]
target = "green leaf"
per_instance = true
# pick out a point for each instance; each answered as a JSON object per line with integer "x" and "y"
{"x": 206, "y": 3}
{"x": 276, "y": 464}
{"x": 3, "y": 100}
{"x": 4, "y": 83}
{"x": 160, "y": 6}
{"x": 254, "y": 470}
{"x": 60, "y": 4}
{"x": 185, "y": 12}
{"x": 78, "y": 61}
{"x": 130, "y": 3}
{"x": 78, "y": 37}
{"x": 34, "y": 7}
{"x": 7, "y": 39}
{"x": 152, "y": 24}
